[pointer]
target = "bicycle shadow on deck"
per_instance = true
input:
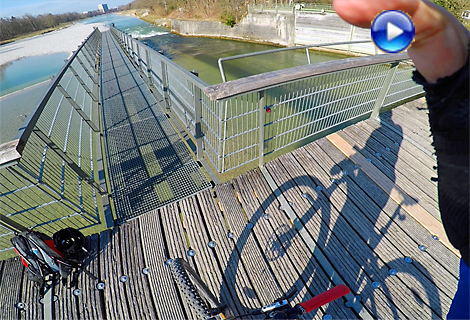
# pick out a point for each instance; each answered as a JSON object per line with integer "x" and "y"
{"x": 341, "y": 228}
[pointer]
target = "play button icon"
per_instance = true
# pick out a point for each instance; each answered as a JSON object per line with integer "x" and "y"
{"x": 392, "y": 31}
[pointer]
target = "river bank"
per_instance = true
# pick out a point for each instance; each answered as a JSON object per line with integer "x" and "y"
{"x": 64, "y": 40}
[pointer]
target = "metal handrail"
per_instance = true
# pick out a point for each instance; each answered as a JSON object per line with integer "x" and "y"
{"x": 270, "y": 79}
{"x": 219, "y": 115}
{"x": 16, "y": 146}
{"x": 252, "y": 54}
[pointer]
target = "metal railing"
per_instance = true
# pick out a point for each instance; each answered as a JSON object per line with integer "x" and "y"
{"x": 306, "y": 48}
{"x": 242, "y": 121}
{"x": 47, "y": 173}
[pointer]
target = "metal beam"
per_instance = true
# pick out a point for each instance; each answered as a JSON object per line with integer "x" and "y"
{"x": 78, "y": 109}
{"x": 83, "y": 84}
{"x": 12, "y": 225}
{"x": 82, "y": 174}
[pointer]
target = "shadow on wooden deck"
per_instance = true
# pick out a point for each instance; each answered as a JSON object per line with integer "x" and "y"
{"x": 357, "y": 207}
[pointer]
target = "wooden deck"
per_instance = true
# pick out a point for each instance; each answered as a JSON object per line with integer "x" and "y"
{"x": 346, "y": 208}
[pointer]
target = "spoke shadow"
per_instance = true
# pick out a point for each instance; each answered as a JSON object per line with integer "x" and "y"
{"x": 346, "y": 231}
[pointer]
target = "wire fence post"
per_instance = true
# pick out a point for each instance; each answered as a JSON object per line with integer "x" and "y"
{"x": 149, "y": 66}
{"x": 166, "y": 95}
{"x": 383, "y": 92}
{"x": 261, "y": 127}
{"x": 139, "y": 60}
{"x": 197, "y": 108}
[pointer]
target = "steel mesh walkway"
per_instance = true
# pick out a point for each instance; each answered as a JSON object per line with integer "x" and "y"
{"x": 148, "y": 163}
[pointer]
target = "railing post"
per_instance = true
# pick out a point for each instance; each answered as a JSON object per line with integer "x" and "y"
{"x": 383, "y": 93}
{"x": 351, "y": 36}
{"x": 139, "y": 60}
{"x": 149, "y": 65}
{"x": 261, "y": 127}
{"x": 166, "y": 96}
{"x": 197, "y": 108}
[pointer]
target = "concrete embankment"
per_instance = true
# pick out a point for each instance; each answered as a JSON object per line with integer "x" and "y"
{"x": 259, "y": 27}
{"x": 285, "y": 29}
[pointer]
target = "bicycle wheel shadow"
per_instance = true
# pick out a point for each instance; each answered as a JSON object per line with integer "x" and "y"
{"x": 340, "y": 228}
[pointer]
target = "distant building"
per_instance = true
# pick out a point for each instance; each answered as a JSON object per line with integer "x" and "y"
{"x": 103, "y": 8}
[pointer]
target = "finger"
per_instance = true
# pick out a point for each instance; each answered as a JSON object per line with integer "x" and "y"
{"x": 427, "y": 17}
{"x": 362, "y": 12}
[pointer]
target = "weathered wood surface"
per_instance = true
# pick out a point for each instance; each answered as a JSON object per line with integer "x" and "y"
{"x": 351, "y": 213}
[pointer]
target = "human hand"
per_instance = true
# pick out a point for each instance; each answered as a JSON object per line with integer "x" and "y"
{"x": 440, "y": 46}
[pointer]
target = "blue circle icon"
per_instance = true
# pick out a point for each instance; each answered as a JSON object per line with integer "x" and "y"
{"x": 392, "y": 31}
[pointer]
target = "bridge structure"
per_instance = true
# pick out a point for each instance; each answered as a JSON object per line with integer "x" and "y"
{"x": 308, "y": 177}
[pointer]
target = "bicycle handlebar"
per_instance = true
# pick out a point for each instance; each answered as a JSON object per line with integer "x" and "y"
{"x": 323, "y": 298}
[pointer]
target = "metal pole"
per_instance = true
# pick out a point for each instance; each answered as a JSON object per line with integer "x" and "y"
{"x": 381, "y": 98}
{"x": 149, "y": 65}
{"x": 197, "y": 108}
{"x": 351, "y": 35}
{"x": 139, "y": 61}
{"x": 166, "y": 96}
{"x": 261, "y": 127}
{"x": 12, "y": 225}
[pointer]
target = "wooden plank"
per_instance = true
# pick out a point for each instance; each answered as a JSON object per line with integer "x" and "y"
{"x": 161, "y": 281}
{"x": 66, "y": 305}
{"x": 349, "y": 231}
{"x": 410, "y": 181}
{"x": 410, "y": 131}
{"x": 414, "y": 119}
{"x": 133, "y": 264}
{"x": 406, "y": 202}
{"x": 264, "y": 285}
{"x": 175, "y": 239}
{"x": 274, "y": 253}
{"x": 406, "y": 164}
{"x": 89, "y": 303}
{"x": 293, "y": 184}
{"x": 236, "y": 280}
{"x": 290, "y": 248}
{"x": 205, "y": 258}
{"x": 409, "y": 150}
{"x": 436, "y": 250}
{"x": 11, "y": 276}
{"x": 30, "y": 297}
{"x": 115, "y": 297}
{"x": 366, "y": 224}
{"x": 418, "y": 109}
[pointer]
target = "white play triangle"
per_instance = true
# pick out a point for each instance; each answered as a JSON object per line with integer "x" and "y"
{"x": 393, "y": 31}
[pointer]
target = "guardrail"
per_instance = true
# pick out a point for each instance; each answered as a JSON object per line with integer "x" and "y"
{"x": 47, "y": 173}
{"x": 258, "y": 53}
{"x": 242, "y": 121}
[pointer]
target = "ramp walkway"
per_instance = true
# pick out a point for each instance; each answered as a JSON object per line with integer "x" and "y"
{"x": 148, "y": 163}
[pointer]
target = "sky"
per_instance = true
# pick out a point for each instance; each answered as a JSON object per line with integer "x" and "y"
{"x": 18, "y": 8}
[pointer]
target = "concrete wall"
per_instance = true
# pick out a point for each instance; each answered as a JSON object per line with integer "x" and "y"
{"x": 286, "y": 29}
{"x": 315, "y": 27}
{"x": 259, "y": 27}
